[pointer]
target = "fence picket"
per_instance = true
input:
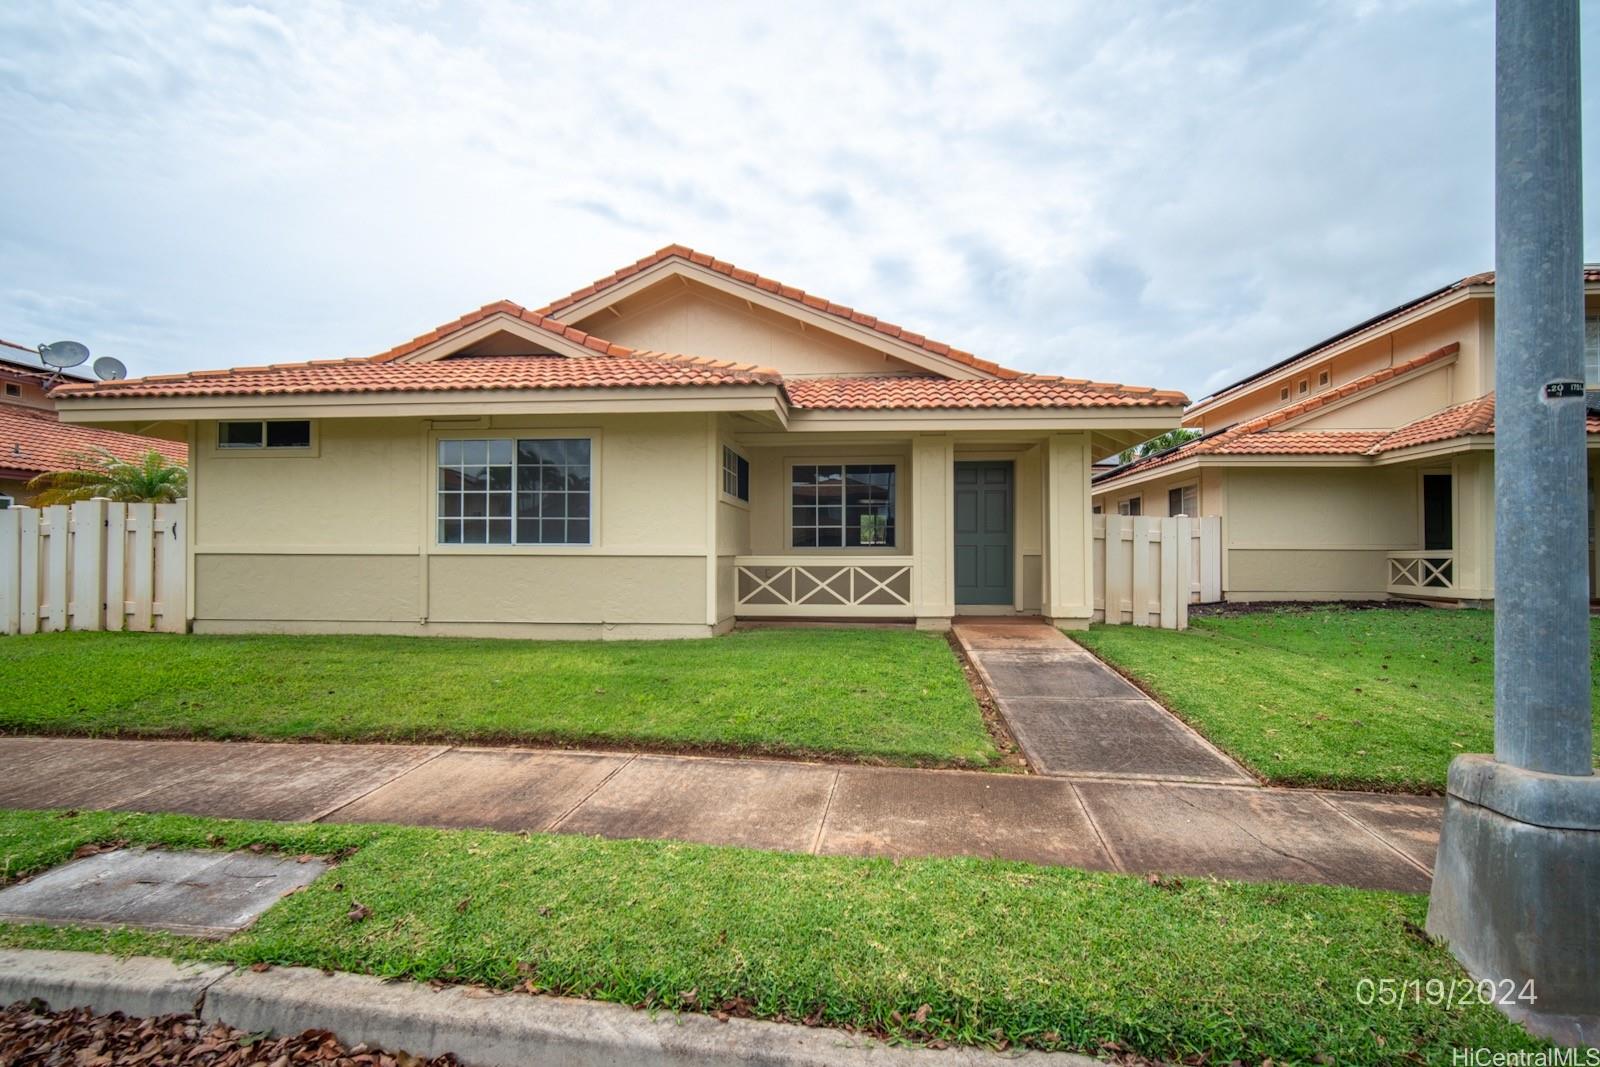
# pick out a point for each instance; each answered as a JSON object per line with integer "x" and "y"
{"x": 171, "y": 571}
{"x": 28, "y": 571}
{"x": 10, "y": 575}
{"x": 1143, "y": 580}
{"x": 142, "y": 564}
{"x": 57, "y": 568}
{"x": 88, "y": 562}
{"x": 116, "y": 547}
{"x": 1167, "y": 593}
{"x": 1117, "y": 576}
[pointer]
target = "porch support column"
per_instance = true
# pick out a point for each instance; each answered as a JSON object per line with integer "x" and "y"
{"x": 1473, "y": 483}
{"x": 1518, "y": 870}
{"x": 1068, "y": 531}
{"x": 933, "y": 530}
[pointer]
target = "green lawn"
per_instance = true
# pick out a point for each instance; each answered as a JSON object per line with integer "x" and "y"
{"x": 968, "y": 951}
{"x": 879, "y": 695}
{"x": 1379, "y": 699}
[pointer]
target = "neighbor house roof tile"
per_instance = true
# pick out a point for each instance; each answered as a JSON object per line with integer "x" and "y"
{"x": 35, "y": 440}
{"x": 1027, "y": 391}
{"x": 788, "y": 292}
{"x": 643, "y": 369}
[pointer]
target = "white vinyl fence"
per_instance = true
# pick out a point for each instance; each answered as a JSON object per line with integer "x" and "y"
{"x": 94, "y": 565}
{"x": 1147, "y": 570}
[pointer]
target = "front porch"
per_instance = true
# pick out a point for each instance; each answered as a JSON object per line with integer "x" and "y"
{"x": 911, "y": 526}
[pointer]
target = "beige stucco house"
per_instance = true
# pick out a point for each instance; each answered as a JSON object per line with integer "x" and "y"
{"x": 676, "y": 446}
{"x": 1362, "y": 467}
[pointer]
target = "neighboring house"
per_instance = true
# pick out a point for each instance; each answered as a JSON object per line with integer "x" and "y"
{"x": 1360, "y": 468}
{"x": 734, "y": 447}
{"x": 34, "y": 441}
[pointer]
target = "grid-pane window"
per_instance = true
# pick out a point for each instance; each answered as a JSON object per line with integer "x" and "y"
{"x": 514, "y": 492}
{"x": 842, "y": 505}
{"x": 735, "y": 475}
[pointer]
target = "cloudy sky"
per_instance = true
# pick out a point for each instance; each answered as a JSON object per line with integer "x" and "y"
{"x": 1170, "y": 194}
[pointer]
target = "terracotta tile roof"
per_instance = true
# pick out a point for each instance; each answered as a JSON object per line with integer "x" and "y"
{"x": 1591, "y": 276}
{"x": 1462, "y": 420}
{"x": 34, "y": 440}
{"x": 1027, "y": 391}
{"x": 788, "y": 292}
{"x": 1230, "y": 440}
{"x": 641, "y": 369}
{"x": 1471, "y": 419}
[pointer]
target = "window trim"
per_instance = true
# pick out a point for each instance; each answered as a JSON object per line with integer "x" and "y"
{"x": 430, "y": 490}
{"x": 309, "y": 451}
{"x": 900, "y": 464}
{"x": 722, "y": 471}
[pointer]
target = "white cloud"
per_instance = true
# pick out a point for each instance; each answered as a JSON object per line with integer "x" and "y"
{"x": 1166, "y": 194}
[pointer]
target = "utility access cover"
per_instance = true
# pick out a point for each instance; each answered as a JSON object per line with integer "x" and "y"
{"x": 204, "y": 894}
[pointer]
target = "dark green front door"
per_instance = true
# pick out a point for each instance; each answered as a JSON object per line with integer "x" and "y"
{"x": 983, "y": 533}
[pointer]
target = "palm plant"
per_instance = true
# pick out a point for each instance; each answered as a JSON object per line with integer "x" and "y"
{"x": 152, "y": 479}
{"x": 1170, "y": 439}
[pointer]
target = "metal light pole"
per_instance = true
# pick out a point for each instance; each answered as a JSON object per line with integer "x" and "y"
{"x": 1516, "y": 886}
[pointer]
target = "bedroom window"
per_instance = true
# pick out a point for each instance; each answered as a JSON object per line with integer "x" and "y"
{"x": 1133, "y": 505}
{"x": 275, "y": 433}
{"x": 735, "y": 475}
{"x": 842, "y": 505}
{"x": 530, "y": 491}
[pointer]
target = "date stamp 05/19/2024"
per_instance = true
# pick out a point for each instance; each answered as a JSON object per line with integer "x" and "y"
{"x": 1400, "y": 993}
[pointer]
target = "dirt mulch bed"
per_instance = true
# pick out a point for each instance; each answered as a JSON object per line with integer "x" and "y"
{"x": 1231, "y": 608}
{"x": 33, "y": 1037}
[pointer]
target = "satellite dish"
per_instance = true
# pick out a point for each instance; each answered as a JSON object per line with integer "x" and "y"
{"x": 63, "y": 354}
{"x": 109, "y": 370}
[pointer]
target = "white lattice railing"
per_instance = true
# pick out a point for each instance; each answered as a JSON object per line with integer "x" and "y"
{"x": 796, "y": 587}
{"x": 1422, "y": 573}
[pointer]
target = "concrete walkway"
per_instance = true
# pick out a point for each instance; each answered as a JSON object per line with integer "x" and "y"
{"x": 1105, "y": 823}
{"x": 1073, "y": 715}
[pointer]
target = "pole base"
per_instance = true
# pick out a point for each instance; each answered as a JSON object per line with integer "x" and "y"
{"x": 1516, "y": 891}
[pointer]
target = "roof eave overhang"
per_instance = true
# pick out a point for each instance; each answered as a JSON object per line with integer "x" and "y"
{"x": 1148, "y": 421}
{"x": 755, "y": 295}
{"x": 754, "y": 398}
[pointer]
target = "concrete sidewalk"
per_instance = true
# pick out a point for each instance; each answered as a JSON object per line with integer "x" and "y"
{"x": 1101, "y": 823}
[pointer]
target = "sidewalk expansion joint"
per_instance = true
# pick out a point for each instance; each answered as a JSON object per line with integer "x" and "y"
{"x": 1370, "y": 832}
{"x": 827, "y": 809}
{"x": 395, "y": 777}
{"x": 564, "y": 816}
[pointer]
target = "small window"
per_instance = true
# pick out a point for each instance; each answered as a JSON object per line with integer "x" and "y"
{"x": 1097, "y": 509}
{"x": 735, "y": 475}
{"x": 1184, "y": 501}
{"x": 1305, "y": 386}
{"x": 1283, "y": 394}
{"x": 1134, "y": 505}
{"x": 286, "y": 433}
{"x": 13, "y": 390}
{"x": 842, "y": 505}
{"x": 6, "y": 500}
{"x": 1322, "y": 380}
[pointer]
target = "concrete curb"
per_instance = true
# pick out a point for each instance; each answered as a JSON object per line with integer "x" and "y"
{"x": 139, "y": 985}
{"x": 483, "y": 1029}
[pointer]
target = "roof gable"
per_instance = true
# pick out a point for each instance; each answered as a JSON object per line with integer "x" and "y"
{"x": 684, "y": 262}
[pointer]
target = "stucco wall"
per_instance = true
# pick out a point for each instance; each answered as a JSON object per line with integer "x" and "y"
{"x": 1318, "y": 533}
{"x": 705, "y": 322}
{"x": 342, "y": 538}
